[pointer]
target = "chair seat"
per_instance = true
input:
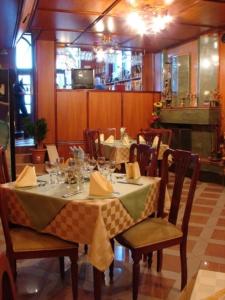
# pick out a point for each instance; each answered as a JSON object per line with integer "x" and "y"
{"x": 25, "y": 239}
{"x": 149, "y": 232}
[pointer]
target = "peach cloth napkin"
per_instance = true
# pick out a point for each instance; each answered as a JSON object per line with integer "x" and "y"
{"x": 142, "y": 140}
{"x": 27, "y": 177}
{"x": 125, "y": 140}
{"x": 99, "y": 185}
{"x": 155, "y": 142}
{"x": 110, "y": 139}
{"x": 132, "y": 170}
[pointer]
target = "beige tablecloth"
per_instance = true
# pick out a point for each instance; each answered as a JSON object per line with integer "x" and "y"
{"x": 82, "y": 219}
{"x": 120, "y": 153}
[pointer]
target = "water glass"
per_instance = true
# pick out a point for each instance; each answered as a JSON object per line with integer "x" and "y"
{"x": 51, "y": 169}
{"x": 60, "y": 169}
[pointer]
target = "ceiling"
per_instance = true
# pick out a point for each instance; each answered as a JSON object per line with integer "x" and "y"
{"x": 9, "y": 20}
{"x": 77, "y": 22}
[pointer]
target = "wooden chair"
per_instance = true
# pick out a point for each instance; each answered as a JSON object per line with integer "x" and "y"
{"x": 167, "y": 135}
{"x": 152, "y": 138}
{"x": 157, "y": 233}
{"x": 4, "y": 172}
{"x": 7, "y": 285}
{"x": 146, "y": 157}
{"x": 91, "y": 146}
{"x": 25, "y": 243}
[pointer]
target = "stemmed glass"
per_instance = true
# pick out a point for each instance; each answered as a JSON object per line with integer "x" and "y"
{"x": 101, "y": 164}
{"x": 112, "y": 168}
{"x": 91, "y": 164}
{"x": 51, "y": 169}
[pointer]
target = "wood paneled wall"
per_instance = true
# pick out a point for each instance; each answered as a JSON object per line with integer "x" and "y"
{"x": 104, "y": 110}
{"x": 45, "y": 83}
{"x": 137, "y": 111}
{"x": 71, "y": 115}
{"x": 77, "y": 110}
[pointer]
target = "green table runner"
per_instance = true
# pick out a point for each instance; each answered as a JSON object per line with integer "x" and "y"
{"x": 135, "y": 201}
{"x": 40, "y": 209}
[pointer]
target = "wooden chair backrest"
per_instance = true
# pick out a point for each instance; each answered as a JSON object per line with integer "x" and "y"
{"x": 4, "y": 172}
{"x": 145, "y": 155}
{"x": 91, "y": 146}
{"x": 184, "y": 164}
{"x": 149, "y": 137}
{"x": 167, "y": 134}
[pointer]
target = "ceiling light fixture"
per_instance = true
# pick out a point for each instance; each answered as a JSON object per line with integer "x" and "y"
{"x": 107, "y": 47}
{"x": 149, "y": 19}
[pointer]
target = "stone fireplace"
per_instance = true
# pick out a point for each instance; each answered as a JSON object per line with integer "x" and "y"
{"x": 195, "y": 129}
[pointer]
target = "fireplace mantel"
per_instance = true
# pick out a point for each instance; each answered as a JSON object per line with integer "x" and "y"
{"x": 190, "y": 115}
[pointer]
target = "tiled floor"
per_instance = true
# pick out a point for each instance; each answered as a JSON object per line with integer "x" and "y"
{"x": 39, "y": 279}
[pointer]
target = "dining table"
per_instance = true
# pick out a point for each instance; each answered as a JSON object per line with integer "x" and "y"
{"x": 119, "y": 152}
{"x": 75, "y": 215}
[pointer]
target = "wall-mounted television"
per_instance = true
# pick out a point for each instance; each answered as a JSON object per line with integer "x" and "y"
{"x": 82, "y": 78}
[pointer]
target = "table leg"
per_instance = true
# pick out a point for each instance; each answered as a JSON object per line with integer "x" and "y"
{"x": 97, "y": 283}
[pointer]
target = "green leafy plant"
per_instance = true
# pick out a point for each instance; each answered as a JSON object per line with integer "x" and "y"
{"x": 38, "y": 129}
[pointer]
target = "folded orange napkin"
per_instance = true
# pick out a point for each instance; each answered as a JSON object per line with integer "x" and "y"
{"x": 99, "y": 185}
{"x": 27, "y": 177}
{"x": 142, "y": 140}
{"x": 125, "y": 140}
{"x": 132, "y": 170}
{"x": 110, "y": 139}
{"x": 155, "y": 142}
{"x": 101, "y": 137}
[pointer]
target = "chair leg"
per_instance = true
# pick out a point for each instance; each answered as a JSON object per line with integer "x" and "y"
{"x": 149, "y": 260}
{"x": 85, "y": 249}
{"x": 159, "y": 260}
{"x": 62, "y": 267}
{"x": 74, "y": 276}
{"x": 97, "y": 284}
{"x": 183, "y": 261}
{"x": 136, "y": 272}
{"x": 111, "y": 267}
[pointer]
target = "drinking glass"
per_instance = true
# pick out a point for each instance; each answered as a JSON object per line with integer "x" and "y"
{"x": 51, "y": 169}
{"x": 91, "y": 164}
{"x": 101, "y": 164}
{"x": 60, "y": 169}
{"x": 112, "y": 168}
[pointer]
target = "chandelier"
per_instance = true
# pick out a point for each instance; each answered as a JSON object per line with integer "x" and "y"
{"x": 107, "y": 48}
{"x": 149, "y": 19}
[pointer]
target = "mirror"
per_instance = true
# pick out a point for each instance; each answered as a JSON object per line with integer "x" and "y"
{"x": 180, "y": 80}
{"x": 176, "y": 80}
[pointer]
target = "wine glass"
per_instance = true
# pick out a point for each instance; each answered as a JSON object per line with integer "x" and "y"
{"x": 101, "y": 164}
{"x": 91, "y": 164}
{"x": 112, "y": 168}
{"x": 51, "y": 169}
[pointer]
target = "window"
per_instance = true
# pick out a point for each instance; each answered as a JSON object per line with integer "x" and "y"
{"x": 24, "y": 66}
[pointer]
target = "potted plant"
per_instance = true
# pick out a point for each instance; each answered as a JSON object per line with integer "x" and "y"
{"x": 38, "y": 130}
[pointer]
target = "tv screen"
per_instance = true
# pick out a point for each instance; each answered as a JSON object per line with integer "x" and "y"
{"x": 82, "y": 78}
